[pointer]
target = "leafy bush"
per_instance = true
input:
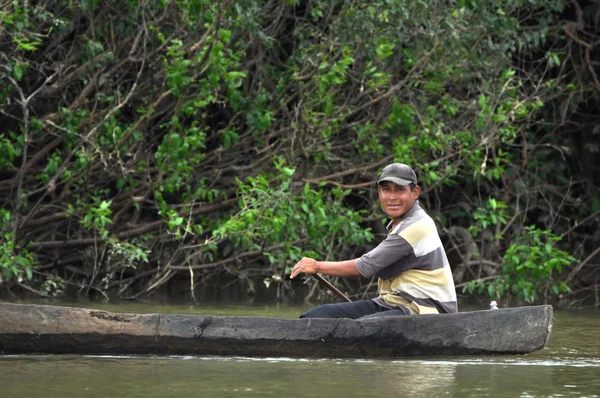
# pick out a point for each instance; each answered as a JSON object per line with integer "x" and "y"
{"x": 15, "y": 263}
{"x": 139, "y": 136}
{"x": 530, "y": 269}
{"x": 286, "y": 221}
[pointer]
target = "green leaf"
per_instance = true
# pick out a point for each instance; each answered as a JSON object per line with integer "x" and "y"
{"x": 17, "y": 72}
{"x": 289, "y": 171}
{"x": 482, "y": 100}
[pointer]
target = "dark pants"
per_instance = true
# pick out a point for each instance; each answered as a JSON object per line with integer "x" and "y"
{"x": 353, "y": 310}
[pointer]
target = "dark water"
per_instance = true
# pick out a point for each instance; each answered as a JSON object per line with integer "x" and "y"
{"x": 569, "y": 366}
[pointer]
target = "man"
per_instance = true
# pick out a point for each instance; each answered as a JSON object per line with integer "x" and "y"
{"x": 411, "y": 264}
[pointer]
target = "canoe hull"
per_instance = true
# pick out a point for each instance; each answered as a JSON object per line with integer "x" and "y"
{"x": 27, "y": 329}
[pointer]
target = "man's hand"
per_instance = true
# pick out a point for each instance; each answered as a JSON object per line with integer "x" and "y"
{"x": 306, "y": 265}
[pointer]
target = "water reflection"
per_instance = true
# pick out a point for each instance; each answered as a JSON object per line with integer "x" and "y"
{"x": 213, "y": 376}
{"x": 58, "y": 376}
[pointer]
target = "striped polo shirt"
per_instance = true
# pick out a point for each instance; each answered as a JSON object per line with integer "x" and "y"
{"x": 412, "y": 267}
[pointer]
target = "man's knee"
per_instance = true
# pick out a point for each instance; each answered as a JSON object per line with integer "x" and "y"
{"x": 322, "y": 311}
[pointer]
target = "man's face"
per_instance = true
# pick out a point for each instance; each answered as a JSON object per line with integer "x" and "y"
{"x": 396, "y": 200}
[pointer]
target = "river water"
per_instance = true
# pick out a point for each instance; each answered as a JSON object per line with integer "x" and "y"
{"x": 568, "y": 367}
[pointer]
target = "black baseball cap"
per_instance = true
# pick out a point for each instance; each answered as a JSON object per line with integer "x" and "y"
{"x": 398, "y": 173}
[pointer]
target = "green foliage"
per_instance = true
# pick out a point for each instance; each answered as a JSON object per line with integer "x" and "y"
{"x": 493, "y": 214}
{"x": 178, "y": 226}
{"x": 334, "y": 74}
{"x": 15, "y": 262}
{"x": 177, "y": 155}
{"x": 530, "y": 269}
{"x": 177, "y": 68}
{"x": 97, "y": 218}
{"x": 8, "y": 152}
{"x": 160, "y": 108}
{"x": 274, "y": 213}
{"x": 128, "y": 254}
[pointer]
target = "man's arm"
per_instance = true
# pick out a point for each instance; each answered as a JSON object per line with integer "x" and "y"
{"x": 334, "y": 268}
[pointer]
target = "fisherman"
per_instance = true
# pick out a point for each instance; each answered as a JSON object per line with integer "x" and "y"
{"x": 414, "y": 276}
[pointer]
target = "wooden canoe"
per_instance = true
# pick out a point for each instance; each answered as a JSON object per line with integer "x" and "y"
{"x": 42, "y": 329}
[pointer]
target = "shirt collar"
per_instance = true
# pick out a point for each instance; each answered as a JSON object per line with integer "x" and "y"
{"x": 416, "y": 207}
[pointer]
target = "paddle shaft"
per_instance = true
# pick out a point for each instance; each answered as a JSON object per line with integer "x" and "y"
{"x": 334, "y": 289}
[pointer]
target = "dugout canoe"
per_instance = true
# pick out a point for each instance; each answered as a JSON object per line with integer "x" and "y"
{"x": 42, "y": 329}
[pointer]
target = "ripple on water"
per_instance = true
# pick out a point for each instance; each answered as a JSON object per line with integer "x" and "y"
{"x": 573, "y": 361}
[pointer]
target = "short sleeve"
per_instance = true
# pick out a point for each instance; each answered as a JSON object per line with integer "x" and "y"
{"x": 389, "y": 252}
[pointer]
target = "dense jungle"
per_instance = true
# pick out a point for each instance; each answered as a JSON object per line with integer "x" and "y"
{"x": 180, "y": 147}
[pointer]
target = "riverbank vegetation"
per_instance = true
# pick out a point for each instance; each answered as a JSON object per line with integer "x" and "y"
{"x": 174, "y": 145}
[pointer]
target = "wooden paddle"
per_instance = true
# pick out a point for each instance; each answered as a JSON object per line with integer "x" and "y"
{"x": 330, "y": 286}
